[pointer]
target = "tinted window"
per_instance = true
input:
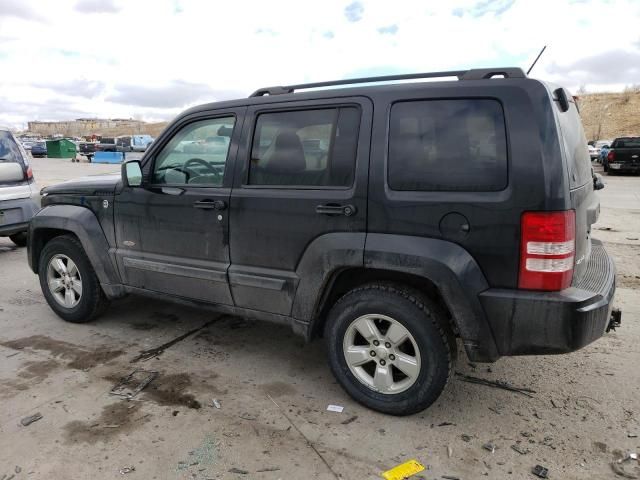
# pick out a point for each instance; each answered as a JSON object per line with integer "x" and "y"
{"x": 447, "y": 145}
{"x": 305, "y": 148}
{"x": 196, "y": 155}
{"x": 575, "y": 147}
{"x": 631, "y": 142}
{"x": 9, "y": 149}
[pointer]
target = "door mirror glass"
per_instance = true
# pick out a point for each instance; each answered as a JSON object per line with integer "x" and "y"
{"x": 132, "y": 173}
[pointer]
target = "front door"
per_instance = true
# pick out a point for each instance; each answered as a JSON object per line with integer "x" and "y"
{"x": 172, "y": 233}
{"x": 301, "y": 179}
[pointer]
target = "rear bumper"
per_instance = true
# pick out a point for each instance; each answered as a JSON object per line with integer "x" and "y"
{"x": 537, "y": 323}
{"x": 623, "y": 167}
{"x": 15, "y": 215}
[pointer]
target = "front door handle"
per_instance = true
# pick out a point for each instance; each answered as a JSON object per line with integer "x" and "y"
{"x": 211, "y": 204}
{"x": 334, "y": 209}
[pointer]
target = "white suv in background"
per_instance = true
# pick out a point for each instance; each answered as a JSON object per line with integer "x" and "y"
{"x": 19, "y": 194}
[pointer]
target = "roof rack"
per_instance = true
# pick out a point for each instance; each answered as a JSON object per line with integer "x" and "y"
{"x": 472, "y": 74}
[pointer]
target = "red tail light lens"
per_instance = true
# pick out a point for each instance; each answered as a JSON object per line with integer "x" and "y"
{"x": 29, "y": 173}
{"x": 611, "y": 156}
{"x": 547, "y": 250}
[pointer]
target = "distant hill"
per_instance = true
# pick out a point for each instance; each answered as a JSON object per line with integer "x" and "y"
{"x": 610, "y": 115}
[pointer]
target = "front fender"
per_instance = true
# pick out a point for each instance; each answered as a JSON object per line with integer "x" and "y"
{"x": 453, "y": 270}
{"x": 81, "y": 222}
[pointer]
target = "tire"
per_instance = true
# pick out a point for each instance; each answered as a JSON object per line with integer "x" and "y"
{"x": 91, "y": 301}
{"x": 430, "y": 343}
{"x": 20, "y": 239}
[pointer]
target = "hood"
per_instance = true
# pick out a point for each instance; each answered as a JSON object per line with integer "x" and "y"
{"x": 90, "y": 185}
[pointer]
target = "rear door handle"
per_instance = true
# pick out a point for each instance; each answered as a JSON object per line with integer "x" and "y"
{"x": 333, "y": 209}
{"x": 210, "y": 204}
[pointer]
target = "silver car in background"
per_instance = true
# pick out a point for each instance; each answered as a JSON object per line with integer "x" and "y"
{"x": 19, "y": 194}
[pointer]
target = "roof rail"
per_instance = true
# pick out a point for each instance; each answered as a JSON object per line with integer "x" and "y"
{"x": 473, "y": 74}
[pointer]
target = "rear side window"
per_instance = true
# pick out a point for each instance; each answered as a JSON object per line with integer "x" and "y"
{"x": 447, "y": 145}
{"x": 305, "y": 148}
{"x": 9, "y": 149}
{"x": 575, "y": 147}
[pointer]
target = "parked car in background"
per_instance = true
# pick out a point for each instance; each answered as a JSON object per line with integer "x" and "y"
{"x": 106, "y": 144}
{"x": 624, "y": 155}
{"x": 39, "y": 149}
{"x": 599, "y": 145}
{"x": 593, "y": 152}
{"x": 359, "y": 215}
{"x": 19, "y": 194}
{"x": 88, "y": 149}
{"x": 133, "y": 143}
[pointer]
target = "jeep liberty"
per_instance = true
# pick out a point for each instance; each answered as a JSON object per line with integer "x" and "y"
{"x": 391, "y": 219}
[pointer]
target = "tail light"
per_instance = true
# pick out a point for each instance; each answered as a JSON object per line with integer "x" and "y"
{"x": 611, "y": 156}
{"x": 547, "y": 250}
{"x": 29, "y": 173}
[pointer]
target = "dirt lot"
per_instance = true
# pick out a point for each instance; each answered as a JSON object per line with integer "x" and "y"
{"x": 274, "y": 390}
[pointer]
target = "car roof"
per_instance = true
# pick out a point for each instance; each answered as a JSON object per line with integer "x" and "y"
{"x": 368, "y": 86}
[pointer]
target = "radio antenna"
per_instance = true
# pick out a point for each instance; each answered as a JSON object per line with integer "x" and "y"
{"x": 536, "y": 60}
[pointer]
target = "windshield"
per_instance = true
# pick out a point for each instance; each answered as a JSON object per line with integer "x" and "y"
{"x": 631, "y": 142}
{"x": 9, "y": 150}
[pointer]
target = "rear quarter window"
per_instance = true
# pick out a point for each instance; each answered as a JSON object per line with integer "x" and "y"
{"x": 9, "y": 149}
{"x": 575, "y": 147}
{"x": 447, "y": 145}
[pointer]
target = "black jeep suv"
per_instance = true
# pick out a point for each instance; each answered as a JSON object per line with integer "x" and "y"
{"x": 390, "y": 219}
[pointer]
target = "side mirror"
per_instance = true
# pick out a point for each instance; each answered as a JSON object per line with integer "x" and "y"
{"x": 598, "y": 184}
{"x": 132, "y": 173}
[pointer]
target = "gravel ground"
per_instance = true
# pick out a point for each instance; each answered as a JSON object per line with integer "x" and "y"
{"x": 273, "y": 391}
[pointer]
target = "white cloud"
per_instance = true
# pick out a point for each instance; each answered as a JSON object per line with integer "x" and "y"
{"x": 152, "y": 58}
{"x": 97, "y": 6}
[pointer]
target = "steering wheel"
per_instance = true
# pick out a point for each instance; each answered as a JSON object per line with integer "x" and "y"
{"x": 198, "y": 161}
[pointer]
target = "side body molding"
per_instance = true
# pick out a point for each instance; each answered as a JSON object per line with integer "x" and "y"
{"x": 453, "y": 270}
{"x": 83, "y": 224}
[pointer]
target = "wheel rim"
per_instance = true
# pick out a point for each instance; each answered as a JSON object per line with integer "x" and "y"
{"x": 64, "y": 281}
{"x": 381, "y": 353}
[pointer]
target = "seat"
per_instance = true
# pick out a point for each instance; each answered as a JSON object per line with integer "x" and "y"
{"x": 287, "y": 156}
{"x": 285, "y": 164}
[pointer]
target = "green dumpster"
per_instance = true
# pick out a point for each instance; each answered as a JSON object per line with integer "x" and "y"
{"x": 62, "y": 148}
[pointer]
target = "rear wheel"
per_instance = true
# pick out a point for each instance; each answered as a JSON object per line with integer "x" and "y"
{"x": 20, "y": 239}
{"x": 69, "y": 282}
{"x": 390, "y": 348}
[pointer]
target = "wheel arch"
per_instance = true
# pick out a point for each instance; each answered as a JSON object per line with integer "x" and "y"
{"x": 442, "y": 270}
{"x": 55, "y": 220}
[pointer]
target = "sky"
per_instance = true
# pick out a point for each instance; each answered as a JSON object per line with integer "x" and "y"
{"x": 151, "y": 59}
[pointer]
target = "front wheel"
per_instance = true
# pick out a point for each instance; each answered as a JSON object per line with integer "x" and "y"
{"x": 68, "y": 281}
{"x": 390, "y": 348}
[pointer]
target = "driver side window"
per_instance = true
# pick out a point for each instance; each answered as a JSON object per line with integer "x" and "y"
{"x": 196, "y": 155}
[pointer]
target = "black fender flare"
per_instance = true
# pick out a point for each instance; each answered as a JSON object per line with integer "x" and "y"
{"x": 455, "y": 273}
{"x": 322, "y": 257}
{"x": 81, "y": 222}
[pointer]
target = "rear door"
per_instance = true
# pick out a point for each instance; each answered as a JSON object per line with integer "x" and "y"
{"x": 302, "y": 173}
{"x": 584, "y": 200}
